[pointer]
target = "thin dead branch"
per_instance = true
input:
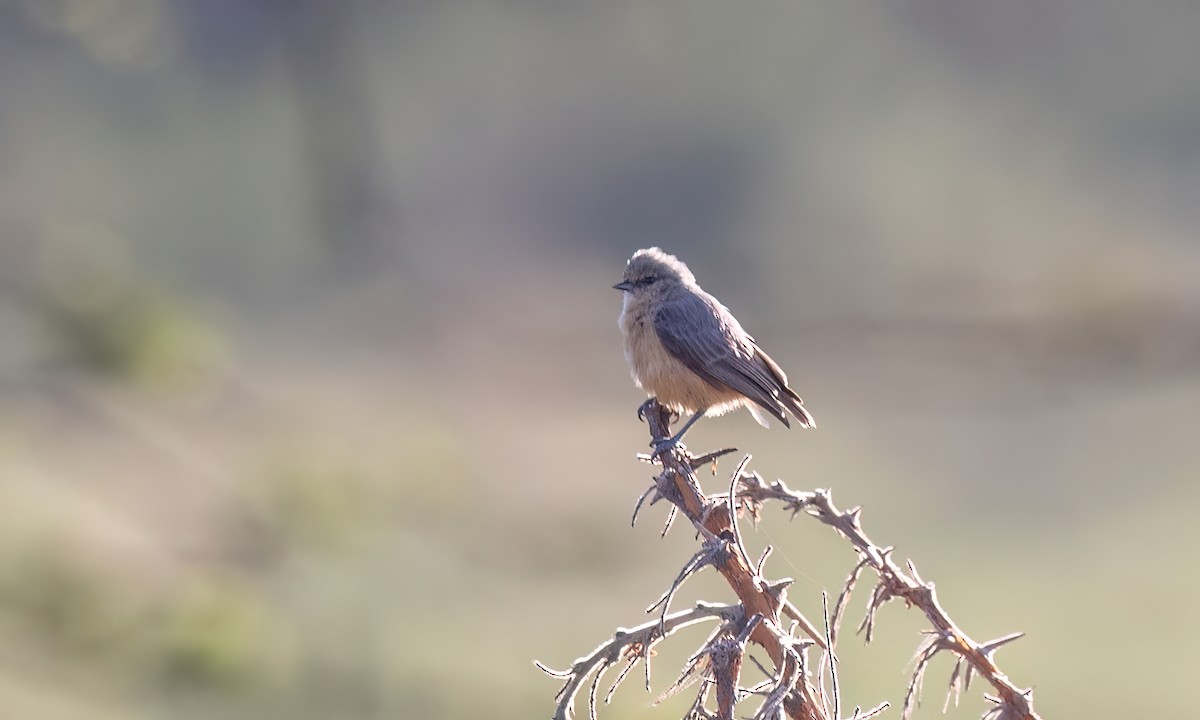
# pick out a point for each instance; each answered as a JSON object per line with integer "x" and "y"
{"x": 628, "y": 646}
{"x": 894, "y": 582}
{"x": 790, "y": 690}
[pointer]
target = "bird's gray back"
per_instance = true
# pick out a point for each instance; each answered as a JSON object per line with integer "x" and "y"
{"x": 703, "y": 335}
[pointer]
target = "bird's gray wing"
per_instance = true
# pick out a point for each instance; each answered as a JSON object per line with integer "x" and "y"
{"x": 787, "y": 396}
{"x": 700, "y": 333}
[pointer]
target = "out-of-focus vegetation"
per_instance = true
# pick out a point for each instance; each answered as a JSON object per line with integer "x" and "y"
{"x": 311, "y": 397}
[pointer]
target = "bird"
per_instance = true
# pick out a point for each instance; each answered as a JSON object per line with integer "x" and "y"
{"x": 685, "y": 349}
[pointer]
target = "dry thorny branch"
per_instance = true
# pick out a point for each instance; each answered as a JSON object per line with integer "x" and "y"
{"x": 793, "y": 688}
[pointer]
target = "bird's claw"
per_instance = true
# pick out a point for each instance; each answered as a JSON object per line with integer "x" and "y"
{"x": 643, "y": 409}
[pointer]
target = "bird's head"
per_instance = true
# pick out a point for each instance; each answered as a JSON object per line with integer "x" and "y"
{"x": 651, "y": 272}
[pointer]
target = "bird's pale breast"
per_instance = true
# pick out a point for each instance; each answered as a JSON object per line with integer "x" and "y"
{"x": 661, "y": 375}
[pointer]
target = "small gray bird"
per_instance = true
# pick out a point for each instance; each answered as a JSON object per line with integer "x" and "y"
{"x": 687, "y": 350}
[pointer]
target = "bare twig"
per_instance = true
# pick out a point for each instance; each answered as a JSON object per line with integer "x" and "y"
{"x": 833, "y": 669}
{"x": 711, "y": 457}
{"x": 860, "y": 715}
{"x": 715, "y": 519}
{"x": 707, "y": 555}
{"x": 789, "y": 675}
{"x": 670, "y": 521}
{"x": 762, "y": 560}
{"x": 788, "y": 690}
{"x": 638, "y": 507}
{"x": 732, "y": 505}
{"x": 843, "y": 598}
{"x": 634, "y": 642}
{"x": 895, "y": 582}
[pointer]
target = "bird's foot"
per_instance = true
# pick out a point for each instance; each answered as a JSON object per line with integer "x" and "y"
{"x": 644, "y": 408}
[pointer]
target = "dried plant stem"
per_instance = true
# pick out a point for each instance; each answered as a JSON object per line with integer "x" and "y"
{"x": 894, "y": 582}
{"x": 627, "y": 646}
{"x": 789, "y": 690}
{"x": 679, "y": 484}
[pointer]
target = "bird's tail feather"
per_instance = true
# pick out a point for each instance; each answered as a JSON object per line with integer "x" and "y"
{"x": 795, "y": 406}
{"x": 759, "y": 415}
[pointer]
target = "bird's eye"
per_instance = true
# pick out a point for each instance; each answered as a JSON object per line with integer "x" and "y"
{"x": 649, "y": 280}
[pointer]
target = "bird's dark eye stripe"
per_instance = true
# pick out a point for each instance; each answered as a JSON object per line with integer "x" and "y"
{"x": 647, "y": 280}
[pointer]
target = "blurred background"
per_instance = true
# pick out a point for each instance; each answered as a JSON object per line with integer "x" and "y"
{"x": 312, "y": 402}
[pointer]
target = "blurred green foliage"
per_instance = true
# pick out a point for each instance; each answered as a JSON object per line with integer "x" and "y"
{"x": 138, "y": 337}
{"x": 62, "y": 601}
{"x": 213, "y": 636}
{"x": 307, "y": 508}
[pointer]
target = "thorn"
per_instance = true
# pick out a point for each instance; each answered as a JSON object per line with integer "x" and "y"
{"x": 670, "y": 520}
{"x": 778, "y": 588}
{"x": 916, "y": 576}
{"x": 638, "y": 506}
{"x": 953, "y": 689}
{"x": 989, "y": 648}
{"x": 751, "y": 624}
{"x": 763, "y": 559}
{"x": 551, "y": 672}
{"x": 710, "y": 457}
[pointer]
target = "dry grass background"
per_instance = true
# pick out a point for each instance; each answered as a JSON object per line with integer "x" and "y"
{"x": 286, "y": 294}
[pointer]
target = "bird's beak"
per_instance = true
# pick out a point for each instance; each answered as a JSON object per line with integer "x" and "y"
{"x": 623, "y": 285}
